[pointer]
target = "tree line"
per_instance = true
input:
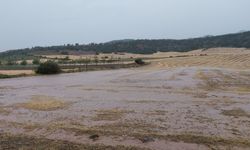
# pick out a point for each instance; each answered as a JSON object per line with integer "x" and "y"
{"x": 237, "y": 40}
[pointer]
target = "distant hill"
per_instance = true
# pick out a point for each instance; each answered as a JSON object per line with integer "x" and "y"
{"x": 236, "y": 40}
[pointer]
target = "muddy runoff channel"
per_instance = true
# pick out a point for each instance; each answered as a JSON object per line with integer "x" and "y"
{"x": 182, "y": 108}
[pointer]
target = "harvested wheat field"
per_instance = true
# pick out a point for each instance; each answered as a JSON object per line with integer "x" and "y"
{"x": 17, "y": 72}
{"x": 217, "y": 57}
{"x": 175, "y": 103}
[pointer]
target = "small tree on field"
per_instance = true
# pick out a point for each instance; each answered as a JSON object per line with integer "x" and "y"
{"x": 65, "y": 53}
{"x": 48, "y": 67}
{"x": 36, "y": 62}
{"x": 24, "y": 62}
{"x": 139, "y": 61}
{"x": 66, "y": 58}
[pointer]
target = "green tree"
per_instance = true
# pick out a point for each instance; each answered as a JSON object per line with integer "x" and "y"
{"x": 10, "y": 63}
{"x": 48, "y": 67}
{"x": 65, "y": 53}
{"x": 66, "y": 58}
{"x": 24, "y": 63}
{"x": 36, "y": 62}
{"x": 139, "y": 61}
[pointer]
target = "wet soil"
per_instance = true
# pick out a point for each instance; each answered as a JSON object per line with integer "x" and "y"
{"x": 178, "y": 108}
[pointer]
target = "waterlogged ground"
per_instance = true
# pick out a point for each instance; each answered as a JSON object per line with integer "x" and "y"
{"x": 161, "y": 109}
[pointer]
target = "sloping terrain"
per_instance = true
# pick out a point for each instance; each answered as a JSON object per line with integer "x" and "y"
{"x": 237, "y": 40}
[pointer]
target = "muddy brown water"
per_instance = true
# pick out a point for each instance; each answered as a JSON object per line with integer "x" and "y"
{"x": 165, "y": 101}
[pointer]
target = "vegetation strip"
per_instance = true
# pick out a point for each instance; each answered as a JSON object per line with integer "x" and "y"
{"x": 11, "y": 142}
{"x": 115, "y": 131}
{"x": 4, "y": 76}
{"x": 236, "y": 40}
{"x": 187, "y": 138}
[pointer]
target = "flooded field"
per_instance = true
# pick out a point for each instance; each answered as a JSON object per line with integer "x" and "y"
{"x": 159, "y": 109}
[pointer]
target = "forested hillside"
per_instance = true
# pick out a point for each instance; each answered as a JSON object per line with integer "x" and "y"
{"x": 236, "y": 40}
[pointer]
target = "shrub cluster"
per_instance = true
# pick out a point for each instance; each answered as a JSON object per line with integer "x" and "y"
{"x": 36, "y": 62}
{"x": 48, "y": 67}
{"x": 139, "y": 61}
{"x": 24, "y": 63}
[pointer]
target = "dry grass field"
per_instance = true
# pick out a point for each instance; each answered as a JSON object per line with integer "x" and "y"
{"x": 234, "y": 58}
{"x": 218, "y": 57}
{"x": 17, "y": 72}
{"x": 181, "y": 101}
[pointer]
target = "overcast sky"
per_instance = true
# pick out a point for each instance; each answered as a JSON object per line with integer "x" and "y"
{"x": 27, "y": 23}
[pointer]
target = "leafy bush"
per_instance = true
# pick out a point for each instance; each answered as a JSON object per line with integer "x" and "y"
{"x": 3, "y": 76}
{"x": 65, "y": 53}
{"x": 10, "y": 63}
{"x": 36, "y": 62}
{"x": 48, "y": 67}
{"x": 139, "y": 61}
{"x": 24, "y": 62}
{"x": 66, "y": 58}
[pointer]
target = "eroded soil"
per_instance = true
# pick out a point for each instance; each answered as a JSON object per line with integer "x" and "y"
{"x": 164, "y": 109}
